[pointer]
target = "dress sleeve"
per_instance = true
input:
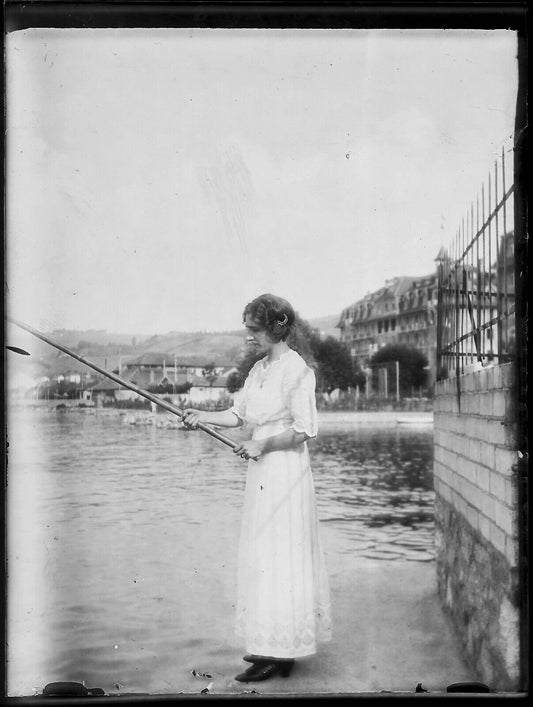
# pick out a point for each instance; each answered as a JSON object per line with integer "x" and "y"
{"x": 241, "y": 396}
{"x": 302, "y": 402}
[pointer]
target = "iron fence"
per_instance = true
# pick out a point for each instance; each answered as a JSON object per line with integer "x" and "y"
{"x": 476, "y": 292}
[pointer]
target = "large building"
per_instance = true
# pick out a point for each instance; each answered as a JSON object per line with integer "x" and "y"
{"x": 403, "y": 311}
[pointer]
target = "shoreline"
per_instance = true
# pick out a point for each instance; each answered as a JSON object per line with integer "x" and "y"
{"x": 326, "y": 418}
{"x": 389, "y": 417}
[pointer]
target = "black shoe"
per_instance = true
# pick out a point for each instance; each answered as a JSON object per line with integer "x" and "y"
{"x": 265, "y": 670}
{"x": 252, "y": 658}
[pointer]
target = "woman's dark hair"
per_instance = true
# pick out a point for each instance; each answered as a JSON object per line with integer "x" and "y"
{"x": 274, "y": 314}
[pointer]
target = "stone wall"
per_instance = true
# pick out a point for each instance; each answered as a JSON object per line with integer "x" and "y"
{"x": 476, "y": 515}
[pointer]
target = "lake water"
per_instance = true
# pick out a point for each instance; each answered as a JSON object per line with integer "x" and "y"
{"x": 122, "y": 538}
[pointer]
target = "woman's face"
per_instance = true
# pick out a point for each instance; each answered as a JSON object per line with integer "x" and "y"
{"x": 258, "y": 338}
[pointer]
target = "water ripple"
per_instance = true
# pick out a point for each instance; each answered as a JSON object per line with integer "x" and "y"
{"x": 129, "y": 535}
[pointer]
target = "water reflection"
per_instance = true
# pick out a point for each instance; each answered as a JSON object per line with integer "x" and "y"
{"x": 376, "y": 486}
{"x": 122, "y": 538}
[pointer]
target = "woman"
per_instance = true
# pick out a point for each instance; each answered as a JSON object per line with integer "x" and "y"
{"x": 283, "y": 607}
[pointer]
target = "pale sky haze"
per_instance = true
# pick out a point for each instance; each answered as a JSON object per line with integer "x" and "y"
{"x": 159, "y": 179}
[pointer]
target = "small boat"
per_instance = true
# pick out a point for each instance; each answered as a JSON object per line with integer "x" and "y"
{"x": 414, "y": 420}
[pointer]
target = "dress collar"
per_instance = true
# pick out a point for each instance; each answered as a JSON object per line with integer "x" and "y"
{"x": 268, "y": 364}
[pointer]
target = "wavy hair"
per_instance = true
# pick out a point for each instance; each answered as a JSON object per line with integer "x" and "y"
{"x": 274, "y": 314}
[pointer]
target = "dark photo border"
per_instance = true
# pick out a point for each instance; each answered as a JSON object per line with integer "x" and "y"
{"x": 318, "y": 15}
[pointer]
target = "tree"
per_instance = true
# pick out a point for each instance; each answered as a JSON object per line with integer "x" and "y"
{"x": 336, "y": 368}
{"x": 178, "y": 389}
{"x": 301, "y": 340}
{"x": 236, "y": 379}
{"x": 412, "y": 365}
{"x": 209, "y": 373}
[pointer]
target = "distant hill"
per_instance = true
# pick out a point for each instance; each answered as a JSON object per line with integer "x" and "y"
{"x": 326, "y": 325}
{"x": 105, "y": 348}
{"x": 219, "y": 347}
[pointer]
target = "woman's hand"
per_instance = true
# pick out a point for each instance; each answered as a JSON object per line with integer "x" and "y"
{"x": 191, "y": 418}
{"x": 251, "y": 449}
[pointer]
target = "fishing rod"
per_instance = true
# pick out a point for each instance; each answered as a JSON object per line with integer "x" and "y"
{"x": 126, "y": 384}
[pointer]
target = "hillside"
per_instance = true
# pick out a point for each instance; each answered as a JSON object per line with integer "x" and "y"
{"x": 105, "y": 348}
{"x": 326, "y": 325}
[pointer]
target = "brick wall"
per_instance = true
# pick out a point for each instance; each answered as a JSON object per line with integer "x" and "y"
{"x": 476, "y": 515}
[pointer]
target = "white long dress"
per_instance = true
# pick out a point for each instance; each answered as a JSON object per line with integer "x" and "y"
{"x": 283, "y": 606}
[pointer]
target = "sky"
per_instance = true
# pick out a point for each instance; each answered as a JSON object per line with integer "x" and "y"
{"x": 159, "y": 179}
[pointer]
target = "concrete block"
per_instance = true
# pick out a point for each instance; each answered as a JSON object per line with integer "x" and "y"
{"x": 438, "y": 454}
{"x": 505, "y": 518}
{"x": 504, "y": 460}
{"x": 498, "y": 432}
{"x": 510, "y": 494}
{"x": 487, "y": 505}
{"x": 510, "y": 429}
{"x": 510, "y": 406}
{"x": 447, "y": 404}
{"x": 454, "y": 460}
{"x": 438, "y": 467}
{"x": 466, "y": 469}
{"x": 453, "y": 441}
{"x": 498, "y": 403}
{"x": 507, "y": 375}
{"x": 486, "y": 456}
{"x": 448, "y": 423}
{"x": 483, "y": 404}
{"x": 483, "y": 478}
{"x": 468, "y": 404}
{"x": 446, "y": 475}
{"x": 479, "y": 379}
{"x": 481, "y": 429}
{"x": 497, "y": 486}
{"x": 459, "y": 422}
{"x": 469, "y": 382}
{"x": 494, "y": 377}
{"x": 490, "y": 430}
{"x": 473, "y": 450}
{"x": 443, "y": 490}
{"x": 487, "y": 378}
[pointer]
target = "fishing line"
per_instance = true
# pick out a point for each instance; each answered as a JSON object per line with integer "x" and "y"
{"x": 126, "y": 384}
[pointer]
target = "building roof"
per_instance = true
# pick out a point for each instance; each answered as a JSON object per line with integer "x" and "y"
{"x": 169, "y": 359}
{"x": 107, "y": 384}
{"x": 201, "y": 382}
{"x": 152, "y": 359}
{"x": 143, "y": 379}
{"x": 394, "y": 287}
